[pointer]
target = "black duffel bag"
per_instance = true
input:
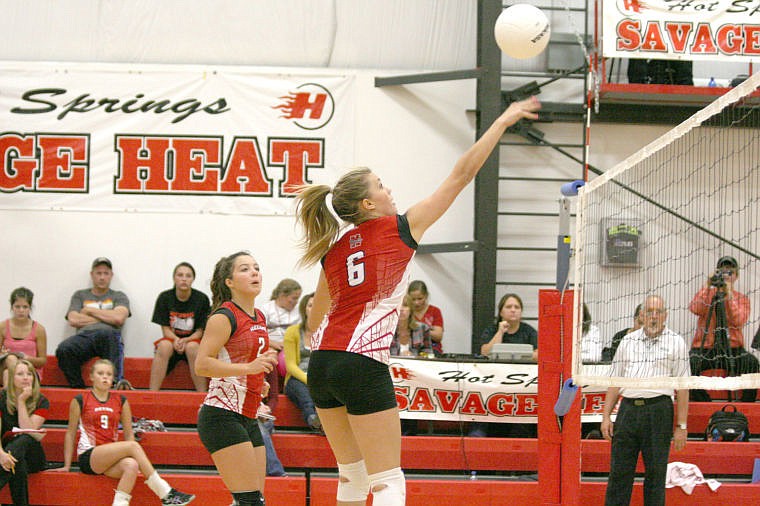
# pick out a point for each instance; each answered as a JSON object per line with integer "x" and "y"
{"x": 727, "y": 425}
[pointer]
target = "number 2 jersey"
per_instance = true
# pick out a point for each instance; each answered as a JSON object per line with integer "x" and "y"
{"x": 367, "y": 272}
{"x": 249, "y": 338}
{"x": 99, "y": 420}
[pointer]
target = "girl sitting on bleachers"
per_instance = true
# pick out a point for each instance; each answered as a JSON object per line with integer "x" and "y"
{"x": 96, "y": 414}
{"x": 23, "y": 407}
{"x": 20, "y": 336}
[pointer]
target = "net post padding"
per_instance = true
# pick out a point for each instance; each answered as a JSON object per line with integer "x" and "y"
{"x": 678, "y": 204}
{"x": 559, "y": 468}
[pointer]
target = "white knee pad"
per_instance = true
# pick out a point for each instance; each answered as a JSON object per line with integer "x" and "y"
{"x": 388, "y": 488}
{"x": 353, "y": 482}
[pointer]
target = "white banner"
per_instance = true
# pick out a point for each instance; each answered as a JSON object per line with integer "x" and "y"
{"x": 726, "y": 30}
{"x": 476, "y": 391}
{"x": 161, "y": 138}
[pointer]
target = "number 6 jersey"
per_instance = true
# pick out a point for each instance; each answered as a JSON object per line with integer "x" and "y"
{"x": 367, "y": 271}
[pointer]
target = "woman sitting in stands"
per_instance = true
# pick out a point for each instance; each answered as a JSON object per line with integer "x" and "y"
{"x": 96, "y": 414}
{"x": 297, "y": 353}
{"x": 412, "y": 337}
{"x": 22, "y": 337}
{"x": 235, "y": 354}
{"x": 509, "y": 327}
{"x": 23, "y": 407}
{"x": 181, "y": 312}
{"x": 426, "y": 313}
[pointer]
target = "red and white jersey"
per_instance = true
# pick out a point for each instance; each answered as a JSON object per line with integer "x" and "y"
{"x": 367, "y": 271}
{"x": 240, "y": 394}
{"x": 99, "y": 421}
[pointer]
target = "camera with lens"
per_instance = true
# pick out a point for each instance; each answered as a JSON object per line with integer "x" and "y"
{"x": 718, "y": 280}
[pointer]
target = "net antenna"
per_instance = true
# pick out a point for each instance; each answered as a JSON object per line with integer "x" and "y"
{"x": 679, "y": 219}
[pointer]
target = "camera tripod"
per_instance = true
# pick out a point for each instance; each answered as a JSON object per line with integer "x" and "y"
{"x": 722, "y": 355}
{"x": 721, "y": 342}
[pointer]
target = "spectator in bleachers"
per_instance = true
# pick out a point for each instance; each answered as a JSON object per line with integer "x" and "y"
{"x": 22, "y": 406}
{"x": 281, "y": 312}
{"x": 508, "y": 328}
{"x": 297, "y": 354}
{"x": 22, "y": 337}
{"x": 412, "y": 337}
{"x": 235, "y": 354}
{"x": 98, "y": 313}
{"x": 592, "y": 344}
{"x": 96, "y": 415}
{"x": 718, "y": 342}
{"x": 608, "y": 353}
{"x": 426, "y": 313}
{"x": 181, "y": 312}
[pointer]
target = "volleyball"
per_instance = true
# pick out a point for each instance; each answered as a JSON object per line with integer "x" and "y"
{"x": 522, "y": 31}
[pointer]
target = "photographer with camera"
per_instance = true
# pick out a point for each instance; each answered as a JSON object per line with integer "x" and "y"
{"x": 719, "y": 341}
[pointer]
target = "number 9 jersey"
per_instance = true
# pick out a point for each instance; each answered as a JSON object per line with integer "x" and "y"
{"x": 98, "y": 421}
{"x": 367, "y": 272}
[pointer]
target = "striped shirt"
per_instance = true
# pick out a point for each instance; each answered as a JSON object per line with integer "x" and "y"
{"x": 640, "y": 356}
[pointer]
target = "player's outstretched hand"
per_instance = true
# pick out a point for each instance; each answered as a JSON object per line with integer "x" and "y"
{"x": 522, "y": 109}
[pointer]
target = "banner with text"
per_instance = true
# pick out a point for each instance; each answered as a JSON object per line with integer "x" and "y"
{"x": 726, "y": 30}
{"x": 108, "y": 137}
{"x": 476, "y": 391}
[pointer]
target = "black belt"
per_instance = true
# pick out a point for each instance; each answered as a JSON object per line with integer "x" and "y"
{"x": 646, "y": 401}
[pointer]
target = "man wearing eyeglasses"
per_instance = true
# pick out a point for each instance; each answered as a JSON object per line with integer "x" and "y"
{"x": 718, "y": 341}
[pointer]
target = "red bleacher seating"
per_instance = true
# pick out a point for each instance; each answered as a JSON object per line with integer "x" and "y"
{"x": 184, "y": 408}
{"x": 311, "y": 451}
{"x": 305, "y": 450}
{"x": 153, "y": 405}
{"x": 77, "y": 489}
{"x": 136, "y": 370}
{"x": 735, "y": 494}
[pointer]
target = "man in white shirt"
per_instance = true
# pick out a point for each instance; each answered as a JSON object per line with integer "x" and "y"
{"x": 644, "y": 421}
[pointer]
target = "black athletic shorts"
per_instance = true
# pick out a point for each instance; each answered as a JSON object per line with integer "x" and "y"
{"x": 84, "y": 462}
{"x": 219, "y": 428}
{"x": 342, "y": 378}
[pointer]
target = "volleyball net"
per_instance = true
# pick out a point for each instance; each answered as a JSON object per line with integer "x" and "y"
{"x": 680, "y": 220}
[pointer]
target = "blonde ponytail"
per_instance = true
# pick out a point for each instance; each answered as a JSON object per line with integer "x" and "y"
{"x": 320, "y": 227}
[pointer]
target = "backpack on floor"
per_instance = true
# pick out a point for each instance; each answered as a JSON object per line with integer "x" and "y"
{"x": 727, "y": 425}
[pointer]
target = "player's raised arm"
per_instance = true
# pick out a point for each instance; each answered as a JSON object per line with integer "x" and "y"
{"x": 423, "y": 214}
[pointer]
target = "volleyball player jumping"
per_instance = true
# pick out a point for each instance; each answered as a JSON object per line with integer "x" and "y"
{"x": 363, "y": 279}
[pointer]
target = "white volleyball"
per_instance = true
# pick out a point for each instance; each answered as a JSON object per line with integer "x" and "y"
{"x": 522, "y": 31}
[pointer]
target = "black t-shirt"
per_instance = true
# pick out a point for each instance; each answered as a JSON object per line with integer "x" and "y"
{"x": 184, "y": 317}
{"x": 525, "y": 335}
